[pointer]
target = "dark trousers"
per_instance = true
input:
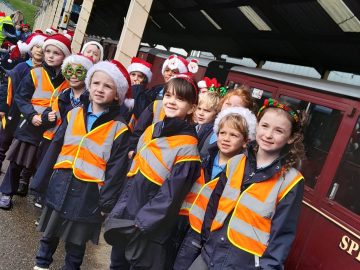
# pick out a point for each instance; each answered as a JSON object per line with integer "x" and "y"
{"x": 73, "y": 258}
{"x": 10, "y": 183}
{"x": 5, "y": 142}
{"x": 118, "y": 261}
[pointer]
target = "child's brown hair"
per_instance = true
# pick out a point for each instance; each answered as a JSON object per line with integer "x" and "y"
{"x": 244, "y": 93}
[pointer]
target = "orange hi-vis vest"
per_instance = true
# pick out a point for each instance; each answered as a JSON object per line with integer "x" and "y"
{"x": 132, "y": 122}
{"x": 252, "y": 210}
{"x": 9, "y": 97}
{"x": 45, "y": 93}
{"x": 87, "y": 152}
{"x": 156, "y": 157}
{"x": 191, "y": 196}
{"x": 158, "y": 111}
{"x": 50, "y": 133}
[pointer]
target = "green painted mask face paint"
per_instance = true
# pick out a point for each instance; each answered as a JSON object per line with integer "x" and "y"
{"x": 79, "y": 71}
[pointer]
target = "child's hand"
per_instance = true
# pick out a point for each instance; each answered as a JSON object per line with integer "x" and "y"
{"x": 130, "y": 154}
{"x": 36, "y": 120}
{"x": 52, "y": 116}
{"x": 2, "y": 114}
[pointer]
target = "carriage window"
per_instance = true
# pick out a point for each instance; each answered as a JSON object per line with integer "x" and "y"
{"x": 345, "y": 188}
{"x": 320, "y": 129}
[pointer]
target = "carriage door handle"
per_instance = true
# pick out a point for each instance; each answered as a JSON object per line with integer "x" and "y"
{"x": 333, "y": 191}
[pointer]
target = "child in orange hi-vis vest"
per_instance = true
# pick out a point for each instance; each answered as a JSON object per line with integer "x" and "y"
{"x": 166, "y": 165}
{"x": 36, "y": 92}
{"x": 87, "y": 161}
{"x": 247, "y": 218}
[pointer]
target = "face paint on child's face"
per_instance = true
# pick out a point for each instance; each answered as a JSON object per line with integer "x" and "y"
{"x": 204, "y": 114}
{"x": 233, "y": 101}
{"x": 93, "y": 52}
{"x": 37, "y": 53}
{"x": 174, "y": 106}
{"x": 137, "y": 77}
{"x": 273, "y": 131}
{"x": 168, "y": 73}
{"x": 102, "y": 89}
{"x": 75, "y": 74}
{"x": 53, "y": 56}
{"x": 230, "y": 141}
{"x": 74, "y": 70}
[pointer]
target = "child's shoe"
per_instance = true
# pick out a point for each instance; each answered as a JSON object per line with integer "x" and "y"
{"x": 23, "y": 189}
{"x": 5, "y": 202}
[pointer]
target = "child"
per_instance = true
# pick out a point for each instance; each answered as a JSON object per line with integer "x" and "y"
{"x": 239, "y": 97}
{"x": 94, "y": 50}
{"x": 140, "y": 76}
{"x": 205, "y": 115}
{"x": 250, "y": 213}
{"x": 154, "y": 112}
{"x": 36, "y": 92}
{"x": 206, "y": 83}
{"x": 234, "y": 127}
{"x": 166, "y": 165}
{"x": 74, "y": 69}
{"x": 8, "y": 109}
{"x": 89, "y": 153}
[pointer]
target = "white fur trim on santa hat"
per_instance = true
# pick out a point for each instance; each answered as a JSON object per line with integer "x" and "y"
{"x": 202, "y": 84}
{"x": 23, "y": 47}
{"x": 112, "y": 70}
{"x": 129, "y": 103}
{"x": 142, "y": 68}
{"x": 97, "y": 44}
{"x": 77, "y": 59}
{"x": 249, "y": 117}
{"x": 57, "y": 43}
{"x": 36, "y": 40}
{"x": 175, "y": 62}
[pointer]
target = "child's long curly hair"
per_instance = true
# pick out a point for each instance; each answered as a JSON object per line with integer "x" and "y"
{"x": 294, "y": 152}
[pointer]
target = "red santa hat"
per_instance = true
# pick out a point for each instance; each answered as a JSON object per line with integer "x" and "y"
{"x": 141, "y": 65}
{"x": 33, "y": 40}
{"x": 51, "y": 31}
{"x": 177, "y": 62}
{"x": 77, "y": 59}
{"x": 97, "y": 44}
{"x": 117, "y": 72}
{"x": 2, "y": 14}
{"x": 69, "y": 34}
{"x": 60, "y": 41}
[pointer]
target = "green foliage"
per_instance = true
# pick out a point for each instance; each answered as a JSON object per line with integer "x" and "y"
{"x": 26, "y": 8}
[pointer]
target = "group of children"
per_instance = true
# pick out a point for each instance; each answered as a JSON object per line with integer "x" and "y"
{"x": 181, "y": 178}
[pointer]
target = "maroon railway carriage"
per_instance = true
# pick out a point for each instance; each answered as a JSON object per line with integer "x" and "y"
{"x": 328, "y": 236}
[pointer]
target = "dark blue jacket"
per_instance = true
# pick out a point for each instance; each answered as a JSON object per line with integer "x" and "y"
{"x": 26, "y": 131}
{"x": 207, "y": 162}
{"x": 219, "y": 253}
{"x": 79, "y": 200}
{"x": 155, "y": 208}
{"x": 13, "y": 114}
{"x": 204, "y": 134}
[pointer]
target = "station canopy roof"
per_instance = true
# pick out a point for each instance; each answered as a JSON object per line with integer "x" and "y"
{"x": 324, "y": 34}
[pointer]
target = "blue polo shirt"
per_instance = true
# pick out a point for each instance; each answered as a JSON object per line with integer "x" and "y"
{"x": 216, "y": 169}
{"x": 91, "y": 117}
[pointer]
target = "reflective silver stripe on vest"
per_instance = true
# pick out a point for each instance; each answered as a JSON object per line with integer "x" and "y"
{"x": 158, "y": 104}
{"x": 229, "y": 192}
{"x": 102, "y": 151}
{"x": 195, "y": 189}
{"x": 249, "y": 231}
{"x": 196, "y": 210}
{"x": 168, "y": 156}
{"x": 265, "y": 209}
{"x": 39, "y": 93}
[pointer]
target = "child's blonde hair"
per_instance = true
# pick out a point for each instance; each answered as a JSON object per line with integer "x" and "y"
{"x": 237, "y": 122}
{"x": 244, "y": 93}
{"x": 209, "y": 100}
